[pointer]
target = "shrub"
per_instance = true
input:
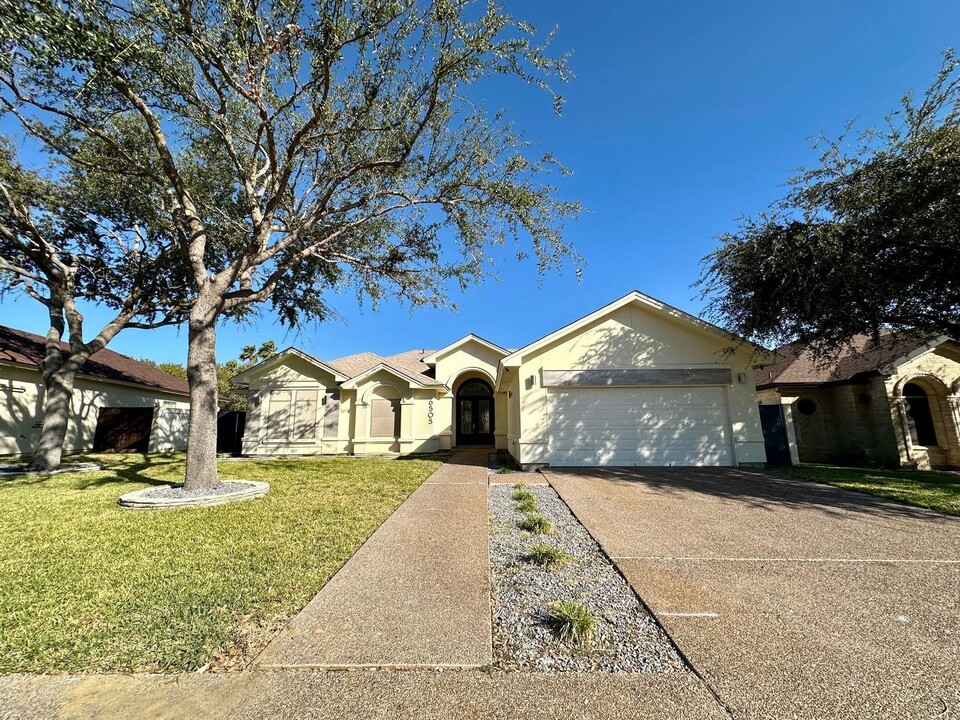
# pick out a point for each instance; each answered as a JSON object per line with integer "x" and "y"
{"x": 536, "y": 523}
{"x": 572, "y": 621}
{"x": 547, "y": 556}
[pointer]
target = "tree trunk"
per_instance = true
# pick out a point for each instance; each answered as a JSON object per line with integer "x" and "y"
{"x": 202, "y": 376}
{"x": 57, "y": 394}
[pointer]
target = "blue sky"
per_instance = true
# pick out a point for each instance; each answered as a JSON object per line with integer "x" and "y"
{"x": 683, "y": 117}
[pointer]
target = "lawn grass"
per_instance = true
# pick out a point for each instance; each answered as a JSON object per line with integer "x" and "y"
{"x": 87, "y": 586}
{"x": 934, "y": 490}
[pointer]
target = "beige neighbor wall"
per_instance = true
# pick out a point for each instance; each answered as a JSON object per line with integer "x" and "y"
{"x": 850, "y": 423}
{"x": 633, "y": 336}
{"x": 21, "y": 402}
{"x": 471, "y": 360}
{"x": 291, "y": 374}
{"x": 865, "y": 423}
{"x": 938, "y": 373}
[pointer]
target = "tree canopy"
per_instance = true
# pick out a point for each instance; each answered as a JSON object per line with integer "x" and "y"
{"x": 296, "y": 148}
{"x": 864, "y": 241}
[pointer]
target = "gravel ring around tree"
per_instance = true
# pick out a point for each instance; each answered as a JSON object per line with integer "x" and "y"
{"x": 627, "y": 638}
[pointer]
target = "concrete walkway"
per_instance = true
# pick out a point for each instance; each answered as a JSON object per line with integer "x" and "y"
{"x": 416, "y": 593}
{"x": 360, "y": 695}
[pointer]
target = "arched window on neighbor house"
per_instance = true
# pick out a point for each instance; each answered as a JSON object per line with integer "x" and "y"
{"x": 919, "y": 417}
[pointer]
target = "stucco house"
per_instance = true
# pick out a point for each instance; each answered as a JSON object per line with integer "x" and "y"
{"x": 636, "y": 382}
{"x": 894, "y": 402}
{"x": 118, "y": 403}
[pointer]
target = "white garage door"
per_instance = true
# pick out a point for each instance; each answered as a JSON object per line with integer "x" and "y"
{"x": 638, "y": 426}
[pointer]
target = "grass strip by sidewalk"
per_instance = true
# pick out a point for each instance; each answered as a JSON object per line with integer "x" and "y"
{"x": 87, "y": 586}
{"x": 933, "y": 490}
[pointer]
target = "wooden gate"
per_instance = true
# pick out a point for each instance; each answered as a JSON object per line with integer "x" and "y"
{"x": 123, "y": 429}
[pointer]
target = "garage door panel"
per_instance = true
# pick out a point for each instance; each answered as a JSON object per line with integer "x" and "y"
{"x": 639, "y": 426}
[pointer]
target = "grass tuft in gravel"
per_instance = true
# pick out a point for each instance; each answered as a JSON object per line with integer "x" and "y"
{"x": 527, "y": 505}
{"x": 536, "y": 523}
{"x": 86, "y": 586}
{"x": 572, "y": 621}
{"x": 546, "y": 556}
{"x": 521, "y": 494}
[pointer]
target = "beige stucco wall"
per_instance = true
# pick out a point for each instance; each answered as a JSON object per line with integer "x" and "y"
{"x": 21, "y": 400}
{"x": 471, "y": 360}
{"x": 293, "y": 373}
{"x": 632, "y": 336}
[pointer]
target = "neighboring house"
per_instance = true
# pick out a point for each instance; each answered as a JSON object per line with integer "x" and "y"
{"x": 635, "y": 383}
{"x": 118, "y": 403}
{"x": 891, "y": 403}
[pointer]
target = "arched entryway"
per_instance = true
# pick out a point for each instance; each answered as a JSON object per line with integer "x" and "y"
{"x": 474, "y": 413}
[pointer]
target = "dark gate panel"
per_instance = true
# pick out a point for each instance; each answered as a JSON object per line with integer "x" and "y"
{"x": 774, "y": 435}
{"x": 123, "y": 430}
{"x": 230, "y": 426}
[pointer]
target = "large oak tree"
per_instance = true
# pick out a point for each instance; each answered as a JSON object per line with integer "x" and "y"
{"x": 865, "y": 241}
{"x": 303, "y": 147}
{"x": 68, "y": 237}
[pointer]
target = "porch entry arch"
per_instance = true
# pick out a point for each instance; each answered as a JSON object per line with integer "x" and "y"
{"x": 474, "y": 412}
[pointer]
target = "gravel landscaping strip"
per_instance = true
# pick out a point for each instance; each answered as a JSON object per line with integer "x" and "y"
{"x": 627, "y": 638}
{"x": 173, "y": 492}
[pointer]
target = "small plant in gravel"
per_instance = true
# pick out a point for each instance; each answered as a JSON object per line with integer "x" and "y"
{"x": 520, "y": 494}
{"x": 547, "y": 556}
{"x": 534, "y": 522}
{"x": 572, "y": 621}
{"x": 527, "y": 505}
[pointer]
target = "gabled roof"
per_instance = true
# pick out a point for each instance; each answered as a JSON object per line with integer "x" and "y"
{"x": 23, "y": 348}
{"x": 514, "y": 358}
{"x": 860, "y": 356}
{"x": 421, "y": 381}
{"x": 275, "y": 359}
{"x": 432, "y": 358}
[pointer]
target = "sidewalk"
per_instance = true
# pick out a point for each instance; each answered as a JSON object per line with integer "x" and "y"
{"x": 416, "y": 593}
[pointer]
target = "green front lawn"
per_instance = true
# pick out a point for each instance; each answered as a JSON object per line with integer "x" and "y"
{"x": 935, "y": 490}
{"x": 85, "y": 585}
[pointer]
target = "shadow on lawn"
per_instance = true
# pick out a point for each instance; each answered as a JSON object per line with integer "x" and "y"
{"x": 760, "y": 489}
{"x": 117, "y": 469}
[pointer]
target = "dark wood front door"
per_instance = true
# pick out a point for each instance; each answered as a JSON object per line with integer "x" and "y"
{"x": 123, "y": 430}
{"x": 475, "y": 413}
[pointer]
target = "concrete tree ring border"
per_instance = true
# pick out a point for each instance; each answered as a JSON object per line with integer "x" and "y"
{"x": 140, "y": 500}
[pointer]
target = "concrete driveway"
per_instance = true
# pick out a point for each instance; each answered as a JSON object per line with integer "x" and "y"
{"x": 790, "y": 598}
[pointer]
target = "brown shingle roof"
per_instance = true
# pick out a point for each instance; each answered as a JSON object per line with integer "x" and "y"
{"x": 17, "y": 346}
{"x": 861, "y": 355}
{"x": 353, "y": 365}
{"x": 407, "y": 363}
{"x": 410, "y": 361}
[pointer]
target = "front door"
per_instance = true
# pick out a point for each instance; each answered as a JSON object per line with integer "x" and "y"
{"x": 475, "y": 413}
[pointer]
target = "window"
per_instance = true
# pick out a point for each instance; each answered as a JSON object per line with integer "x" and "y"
{"x": 919, "y": 417}
{"x": 806, "y": 406}
{"x": 305, "y": 415}
{"x": 291, "y": 415}
{"x": 277, "y": 424}
{"x": 384, "y": 418}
